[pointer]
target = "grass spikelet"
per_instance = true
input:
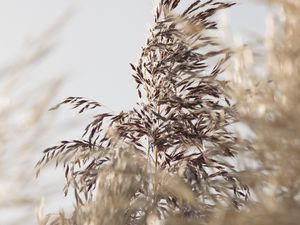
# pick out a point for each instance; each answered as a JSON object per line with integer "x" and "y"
{"x": 171, "y": 155}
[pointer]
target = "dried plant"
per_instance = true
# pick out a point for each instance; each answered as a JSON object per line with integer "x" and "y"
{"x": 268, "y": 105}
{"x": 179, "y": 134}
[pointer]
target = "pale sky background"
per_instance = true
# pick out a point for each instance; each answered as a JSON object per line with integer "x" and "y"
{"x": 97, "y": 44}
{"x": 95, "y": 47}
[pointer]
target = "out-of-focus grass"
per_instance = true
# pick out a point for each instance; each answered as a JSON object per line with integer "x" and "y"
{"x": 266, "y": 86}
{"x": 24, "y": 100}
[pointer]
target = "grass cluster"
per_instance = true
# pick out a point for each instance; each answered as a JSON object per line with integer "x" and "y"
{"x": 179, "y": 133}
{"x": 176, "y": 158}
